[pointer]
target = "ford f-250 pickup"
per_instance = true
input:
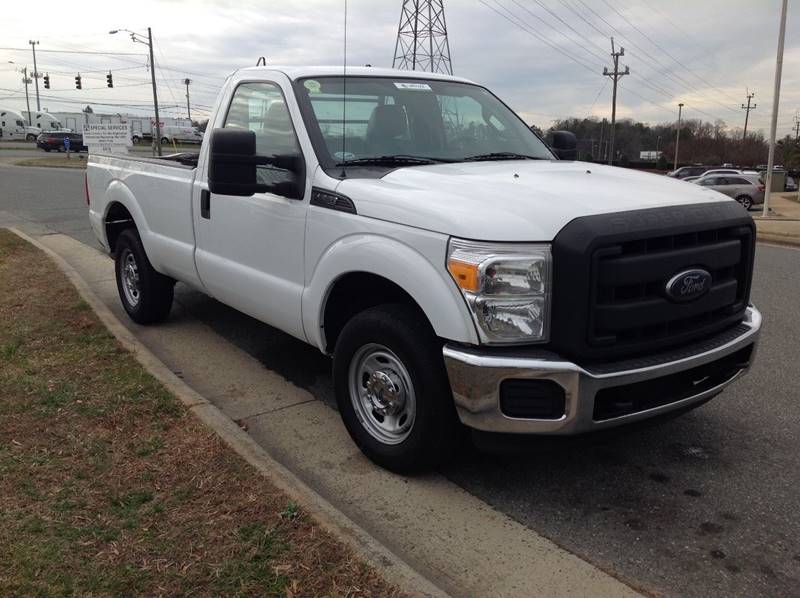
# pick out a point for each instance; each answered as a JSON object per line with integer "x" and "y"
{"x": 459, "y": 271}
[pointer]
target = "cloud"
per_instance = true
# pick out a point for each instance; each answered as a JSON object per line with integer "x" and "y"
{"x": 705, "y": 54}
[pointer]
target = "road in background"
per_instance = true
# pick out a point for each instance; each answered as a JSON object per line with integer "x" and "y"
{"x": 699, "y": 505}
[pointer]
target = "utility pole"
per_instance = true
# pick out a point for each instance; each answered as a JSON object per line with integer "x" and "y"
{"x": 747, "y": 114}
{"x": 796, "y": 127}
{"x": 615, "y": 76}
{"x": 678, "y": 137}
{"x": 157, "y": 138}
{"x": 141, "y": 39}
{"x": 776, "y": 96}
{"x": 26, "y": 81}
{"x": 186, "y": 82}
{"x": 35, "y": 73}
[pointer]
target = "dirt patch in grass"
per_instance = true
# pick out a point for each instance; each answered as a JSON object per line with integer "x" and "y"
{"x": 109, "y": 486}
{"x": 75, "y": 161}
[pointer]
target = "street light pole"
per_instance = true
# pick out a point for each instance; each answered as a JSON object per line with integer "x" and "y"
{"x": 188, "y": 110}
{"x": 773, "y": 129}
{"x": 35, "y": 74}
{"x": 141, "y": 39}
{"x": 678, "y": 137}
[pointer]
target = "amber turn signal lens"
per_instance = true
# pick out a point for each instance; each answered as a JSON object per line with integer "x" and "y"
{"x": 465, "y": 275}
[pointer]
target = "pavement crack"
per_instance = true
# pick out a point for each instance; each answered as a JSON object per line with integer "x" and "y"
{"x": 268, "y": 411}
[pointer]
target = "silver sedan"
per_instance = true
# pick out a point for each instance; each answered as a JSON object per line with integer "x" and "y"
{"x": 747, "y": 191}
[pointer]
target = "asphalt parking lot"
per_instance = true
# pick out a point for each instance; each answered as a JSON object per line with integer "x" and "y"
{"x": 700, "y": 505}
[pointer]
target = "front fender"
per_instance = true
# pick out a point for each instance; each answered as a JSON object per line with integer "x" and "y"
{"x": 430, "y": 286}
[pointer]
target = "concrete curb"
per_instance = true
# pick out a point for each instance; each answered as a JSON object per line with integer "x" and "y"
{"x": 392, "y": 567}
{"x": 776, "y": 239}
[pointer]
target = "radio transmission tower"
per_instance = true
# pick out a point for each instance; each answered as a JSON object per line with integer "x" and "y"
{"x": 422, "y": 38}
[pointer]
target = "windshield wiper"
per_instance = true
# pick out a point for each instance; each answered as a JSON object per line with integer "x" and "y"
{"x": 500, "y": 156}
{"x": 392, "y": 160}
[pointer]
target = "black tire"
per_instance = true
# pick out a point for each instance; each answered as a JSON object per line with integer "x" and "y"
{"x": 436, "y": 432}
{"x": 135, "y": 140}
{"x": 30, "y": 138}
{"x": 746, "y": 201}
{"x": 152, "y": 300}
{"x": 47, "y": 149}
{"x": 164, "y": 141}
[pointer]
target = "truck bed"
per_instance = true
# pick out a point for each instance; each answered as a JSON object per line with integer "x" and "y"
{"x": 157, "y": 193}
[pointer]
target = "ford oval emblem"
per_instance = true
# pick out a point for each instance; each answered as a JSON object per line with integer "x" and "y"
{"x": 688, "y": 285}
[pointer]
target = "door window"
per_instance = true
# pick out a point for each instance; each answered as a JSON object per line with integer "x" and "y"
{"x": 261, "y": 108}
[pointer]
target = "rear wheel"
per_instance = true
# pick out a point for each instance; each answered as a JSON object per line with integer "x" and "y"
{"x": 146, "y": 295}
{"x": 164, "y": 140}
{"x": 392, "y": 389}
{"x": 746, "y": 202}
{"x": 30, "y": 138}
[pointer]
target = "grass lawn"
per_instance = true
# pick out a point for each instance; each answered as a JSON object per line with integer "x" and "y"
{"x": 57, "y": 161}
{"x": 108, "y": 486}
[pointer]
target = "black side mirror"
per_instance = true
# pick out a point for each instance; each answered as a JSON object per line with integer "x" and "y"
{"x": 564, "y": 145}
{"x": 233, "y": 161}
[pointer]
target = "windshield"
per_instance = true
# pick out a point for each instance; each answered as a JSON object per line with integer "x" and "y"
{"x": 381, "y": 117}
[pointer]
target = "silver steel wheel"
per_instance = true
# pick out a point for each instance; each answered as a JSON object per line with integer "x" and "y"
{"x": 382, "y": 394}
{"x": 746, "y": 202}
{"x": 130, "y": 277}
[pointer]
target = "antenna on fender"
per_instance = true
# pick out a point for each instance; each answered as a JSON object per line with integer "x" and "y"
{"x": 344, "y": 96}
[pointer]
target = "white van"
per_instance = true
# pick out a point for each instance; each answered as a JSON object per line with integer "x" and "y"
{"x": 14, "y": 127}
{"x": 175, "y": 134}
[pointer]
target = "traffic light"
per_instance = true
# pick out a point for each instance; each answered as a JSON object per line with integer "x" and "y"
{"x": 78, "y": 82}
{"x": 109, "y": 80}
{"x": 46, "y": 81}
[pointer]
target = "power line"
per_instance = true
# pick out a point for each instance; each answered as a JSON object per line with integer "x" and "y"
{"x": 665, "y": 51}
{"x": 76, "y": 52}
{"x": 527, "y": 29}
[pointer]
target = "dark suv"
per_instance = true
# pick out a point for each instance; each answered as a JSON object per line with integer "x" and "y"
{"x": 54, "y": 140}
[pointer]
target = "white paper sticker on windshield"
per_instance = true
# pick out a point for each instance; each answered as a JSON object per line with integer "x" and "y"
{"x": 413, "y": 86}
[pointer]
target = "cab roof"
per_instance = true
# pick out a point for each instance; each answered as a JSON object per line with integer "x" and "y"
{"x": 299, "y": 72}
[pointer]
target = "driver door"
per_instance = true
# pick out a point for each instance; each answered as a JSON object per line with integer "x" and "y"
{"x": 250, "y": 249}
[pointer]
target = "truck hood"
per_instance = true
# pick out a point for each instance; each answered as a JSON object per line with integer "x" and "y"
{"x": 513, "y": 200}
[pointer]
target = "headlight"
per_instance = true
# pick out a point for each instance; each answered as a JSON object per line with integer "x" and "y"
{"x": 507, "y": 287}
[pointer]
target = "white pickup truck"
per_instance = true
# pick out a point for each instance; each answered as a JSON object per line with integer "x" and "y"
{"x": 461, "y": 272}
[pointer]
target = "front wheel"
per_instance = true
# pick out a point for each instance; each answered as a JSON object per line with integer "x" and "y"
{"x": 392, "y": 389}
{"x": 164, "y": 141}
{"x": 746, "y": 202}
{"x": 145, "y": 294}
{"x": 30, "y": 138}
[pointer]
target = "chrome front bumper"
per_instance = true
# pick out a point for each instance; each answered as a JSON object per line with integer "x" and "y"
{"x": 476, "y": 376}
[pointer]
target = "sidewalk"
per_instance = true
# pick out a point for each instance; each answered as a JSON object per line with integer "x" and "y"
{"x": 783, "y": 224}
{"x": 451, "y": 541}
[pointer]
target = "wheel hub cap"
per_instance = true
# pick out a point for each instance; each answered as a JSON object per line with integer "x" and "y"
{"x": 382, "y": 393}
{"x": 386, "y": 394}
{"x": 130, "y": 278}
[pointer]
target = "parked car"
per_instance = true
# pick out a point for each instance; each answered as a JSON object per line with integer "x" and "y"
{"x": 458, "y": 271}
{"x": 790, "y": 184}
{"x": 748, "y": 191}
{"x": 687, "y": 171}
{"x": 54, "y": 140}
{"x": 723, "y": 171}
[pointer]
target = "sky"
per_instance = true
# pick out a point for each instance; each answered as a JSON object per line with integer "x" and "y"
{"x": 544, "y": 58}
